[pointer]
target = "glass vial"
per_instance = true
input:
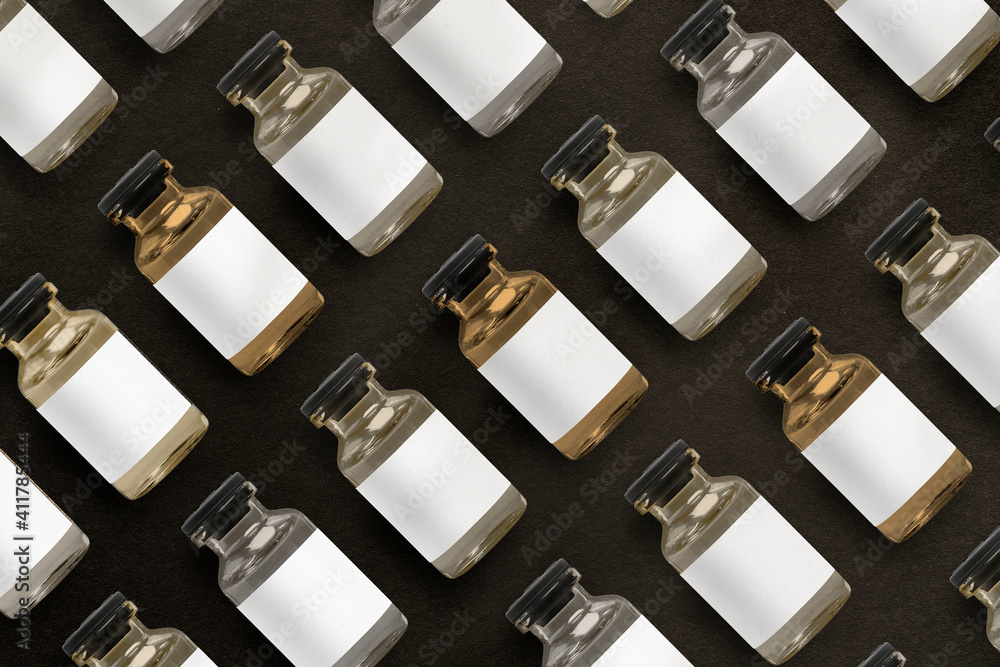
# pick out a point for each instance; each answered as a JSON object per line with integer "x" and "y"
{"x": 861, "y": 432}
{"x": 992, "y": 134}
{"x": 39, "y": 553}
{"x": 979, "y": 577}
{"x": 951, "y": 291}
{"x": 415, "y": 468}
{"x": 112, "y": 636}
{"x": 164, "y": 24}
{"x": 546, "y": 358}
{"x": 271, "y": 560}
{"x": 739, "y": 554}
{"x": 97, "y": 390}
{"x": 480, "y": 56}
{"x": 608, "y": 8}
{"x": 332, "y": 145}
{"x": 578, "y": 629}
{"x": 777, "y": 112}
{"x": 884, "y": 656}
{"x": 931, "y": 46}
{"x": 51, "y": 99}
{"x": 656, "y": 230}
{"x": 213, "y": 265}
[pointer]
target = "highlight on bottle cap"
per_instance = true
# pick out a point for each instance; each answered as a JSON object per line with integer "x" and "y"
{"x": 21, "y": 306}
{"x": 233, "y": 495}
{"x": 884, "y": 656}
{"x": 581, "y": 148}
{"x": 137, "y": 189}
{"x": 785, "y": 355}
{"x": 993, "y": 132}
{"x": 340, "y": 392}
{"x": 254, "y": 65}
{"x": 700, "y": 34}
{"x": 982, "y": 557}
{"x": 544, "y": 598}
{"x": 113, "y": 609}
{"x": 461, "y": 273}
{"x": 669, "y": 473}
{"x": 902, "y": 233}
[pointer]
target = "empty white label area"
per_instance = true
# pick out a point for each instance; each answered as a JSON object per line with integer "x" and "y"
{"x": 42, "y": 80}
{"x": 351, "y": 165}
{"x": 912, "y": 36}
{"x": 144, "y": 16}
{"x": 469, "y": 51}
{"x": 759, "y": 573}
{"x": 316, "y": 606}
{"x": 880, "y": 452}
{"x": 198, "y": 659}
{"x": 676, "y": 249}
{"x": 556, "y": 368}
{"x": 795, "y": 130}
{"x": 435, "y": 487}
{"x": 116, "y": 408}
{"x": 642, "y": 644}
{"x": 232, "y": 284}
{"x": 966, "y": 334}
{"x": 30, "y": 527}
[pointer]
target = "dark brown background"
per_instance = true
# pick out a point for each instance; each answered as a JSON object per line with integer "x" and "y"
{"x": 50, "y": 224}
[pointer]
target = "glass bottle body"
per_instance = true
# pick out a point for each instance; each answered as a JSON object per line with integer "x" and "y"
{"x": 164, "y": 26}
{"x": 608, "y": 8}
{"x": 140, "y": 646}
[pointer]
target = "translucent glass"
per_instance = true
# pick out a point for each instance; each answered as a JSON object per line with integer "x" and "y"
{"x": 137, "y": 646}
{"x": 608, "y": 8}
{"x": 180, "y": 25}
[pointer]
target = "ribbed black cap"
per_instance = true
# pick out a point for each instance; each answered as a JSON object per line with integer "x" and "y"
{"x": 229, "y": 501}
{"x": 546, "y": 597}
{"x": 582, "y": 148}
{"x": 340, "y": 392}
{"x": 103, "y": 615}
{"x": 23, "y": 307}
{"x": 902, "y": 233}
{"x": 669, "y": 473}
{"x": 786, "y": 356}
{"x": 462, "y": 273}
{"x": 256, "y": 64}
{"x": 884, "y": 656}
{"x": 700, "y": 34}
{"x": 982, "y": 556}
{"x": 993, "y": 131}
{"x": 137, "y": 189}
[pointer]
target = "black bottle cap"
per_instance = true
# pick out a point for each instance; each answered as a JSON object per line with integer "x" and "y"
{"x": 700, "y": 34}
{"x": 137, "y": 189}
{"x": 462, "y": 273}
{"x": 589, "y": 142}
{"x": 340, "y": 392}
{"x": 24, "y": 309}
{"x": 112, "y": 611}
{"x": 670, "y": 473}
{"x": 264, "y": 61}
{"x": 221, "y": 510}
{"x": 983, "y": 556}
{"x": 902, "y": 233}
{"x": 785, "y": 356}
{"x": 993, "y": 131}
{"x": 884, "y": 656}
{"x": 546, "y": 597}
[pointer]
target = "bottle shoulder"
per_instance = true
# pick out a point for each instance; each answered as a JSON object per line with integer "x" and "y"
{"x": 507, "y": 307}
{"x": 705, "y": 518}
{"x": 61, "y": 350}
{"x": 622, "y": 194}
{"x": 829, "y": 392}
{"x": 744, "y": 71}
{"x": 588, "y": 633}
{"x": 182, "y": 223}
{"x": 296, "y": 105}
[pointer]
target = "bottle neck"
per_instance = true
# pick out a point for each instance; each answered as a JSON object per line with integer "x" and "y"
{"x": 600, "y": 176}
{"x": 722, "y": 57}
{"x": 158, "y": 211}
{"x": 567, "y": 620}
{"x": 672, "y": 510}
{"x": 480, "y": 298}
{"x": 361, "y": 414}
{"x": 241, "y": 533}
{"x": 122, "y": 652}
{"x": 805, "y": 378}
{"x": 914, "y": 263}
{"x": 273, "y": 94}
{"x": 39, "y": 329}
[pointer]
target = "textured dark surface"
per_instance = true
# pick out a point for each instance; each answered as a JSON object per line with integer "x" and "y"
{"x": 50, "y": 224}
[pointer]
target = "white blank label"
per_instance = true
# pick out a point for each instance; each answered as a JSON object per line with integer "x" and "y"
{"x": 42, "y": 80}
{"x": 198, "y": 659}
{"x": 232, "y": 284}
{"x": 144, "y": 16}
{"x": 795, "y": 130}
{"x": 676, "y": 249}
{"x": 642, "y": 644}
{"x": 557, "y": 368}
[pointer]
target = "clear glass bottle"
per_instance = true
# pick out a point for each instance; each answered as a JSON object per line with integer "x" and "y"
{"x": 931, "y": 46}
{"x": 213, "y": 265}
{"x": 97, "y": 390}
{"x": 979, "y": 577}
{"x": 272, "y": 560}
{"x": 656, "y": 230}
{"x": 332, "y": 145}
{"x": 164, "y": 24}
{"x": 415, "y": 467}
{"x": 608, "y": 8}
{"x": 951, "y": 291}
{"x": 51, "y": 99}
{"x": 47, "y": 547}
{"x": 739, "y": 554}
{"x": 885, "y": 656}
{"x": 776, "y": 111}
{"x": 112, "y": 636}
{"x": 537, "y": 349}
{"x": 992, "y": 134}
{"x": 480, "y": 56}
{"x": 578, "y": 629}
{"x": 861, "y": 432}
